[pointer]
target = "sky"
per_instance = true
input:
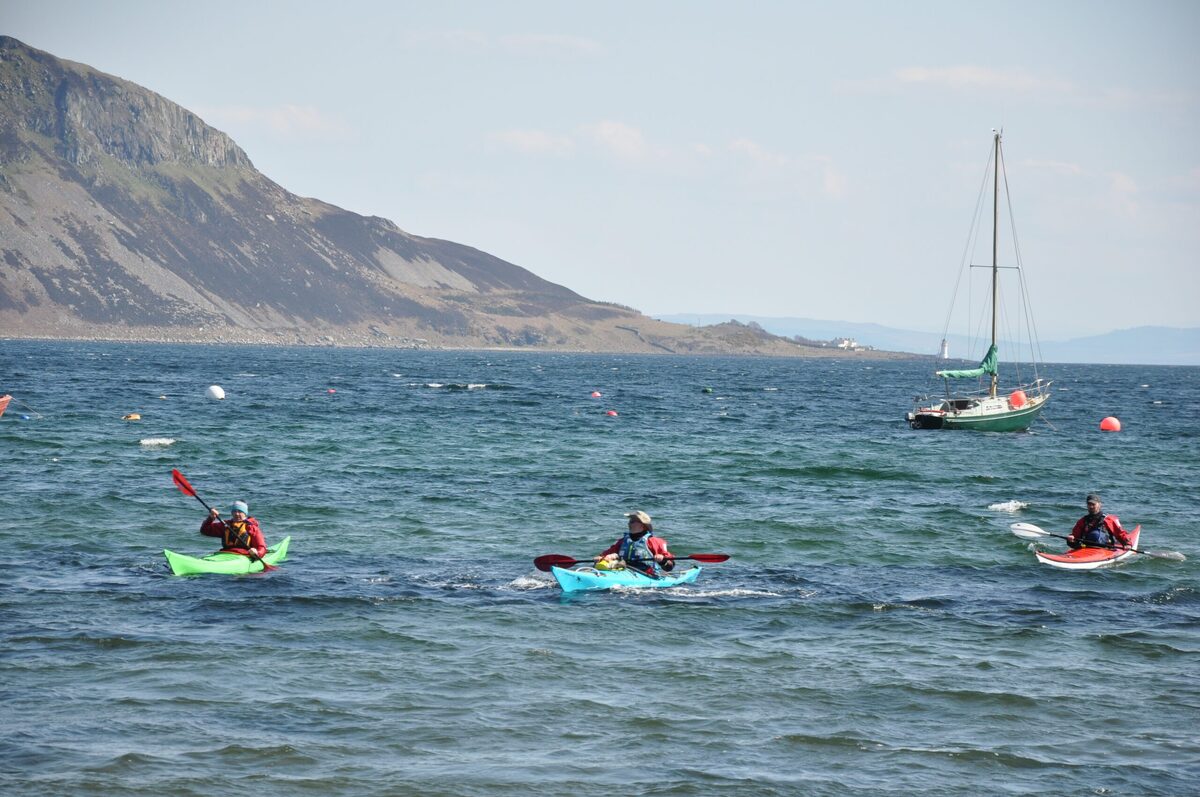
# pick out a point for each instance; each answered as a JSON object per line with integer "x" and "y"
{"x": 797, "y": 159}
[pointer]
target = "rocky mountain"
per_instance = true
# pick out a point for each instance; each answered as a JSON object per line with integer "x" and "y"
{"x": 123, "y": 215}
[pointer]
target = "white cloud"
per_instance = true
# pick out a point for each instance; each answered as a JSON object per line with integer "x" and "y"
{"x": 1185, "y": 183}
{"x": 550, "y": 44}
{"x": 525, "y": 44}
{"x": 833, "y": 182}
{"x": 1056, "y": 167}
{"x": 969, "y": 77}
{"x": 979, "y": 77}
{"x": 806, "y": 171}
{"x": 1123, "y": 194}
{"x": 757, "y": 153}
{"x": 1120, "y": 97}
{"x": 749, "y": 160}
{"x": 299, "y": 121}
{"x": 618, "y": 139}
{"x": 534, "y": 142}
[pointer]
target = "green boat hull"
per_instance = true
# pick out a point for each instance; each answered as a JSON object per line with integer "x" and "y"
{"x": 226, "y": 563}
{"x": 1015, "y": 421}
{"x": 987, "y": 414}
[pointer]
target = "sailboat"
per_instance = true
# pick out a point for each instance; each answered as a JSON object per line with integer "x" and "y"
{"x": 986, "y": 409}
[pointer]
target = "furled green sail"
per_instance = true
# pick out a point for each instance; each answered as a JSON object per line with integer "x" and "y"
{"x": 988, "y": 366}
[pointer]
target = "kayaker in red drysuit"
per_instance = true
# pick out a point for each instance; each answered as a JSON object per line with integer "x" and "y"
{"x": 1097, "y": 529}
{"x": 239, "y": 535}
{"x": 639, "y": 548}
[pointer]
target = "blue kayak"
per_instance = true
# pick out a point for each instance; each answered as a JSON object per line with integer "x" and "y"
{"x": 586, "y": 578}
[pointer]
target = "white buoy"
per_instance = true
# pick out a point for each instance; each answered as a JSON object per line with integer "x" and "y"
{"x": 215, "y": 392}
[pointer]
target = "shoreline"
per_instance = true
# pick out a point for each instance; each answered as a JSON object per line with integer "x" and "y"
{"x": 417, "y": 344}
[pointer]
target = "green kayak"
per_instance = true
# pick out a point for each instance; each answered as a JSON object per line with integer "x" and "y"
{"x": 220, "y": 562}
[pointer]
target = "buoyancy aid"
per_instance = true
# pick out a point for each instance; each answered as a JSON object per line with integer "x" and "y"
{"x": 637, "y": 552}
{"x": 1096, "y": 532}
{"x": 236, "y": 534}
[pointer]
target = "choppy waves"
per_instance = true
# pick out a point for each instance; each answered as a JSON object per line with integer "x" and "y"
{"x": 877, "y": 628}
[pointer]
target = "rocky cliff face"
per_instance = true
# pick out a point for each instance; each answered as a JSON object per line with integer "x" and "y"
{"x": 124, "y": 215}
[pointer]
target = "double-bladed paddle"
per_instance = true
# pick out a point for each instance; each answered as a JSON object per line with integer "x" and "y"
{"x": 544, "y": 563}
{"x": 1029, "y": 531}
{"x": 186, "y": 488}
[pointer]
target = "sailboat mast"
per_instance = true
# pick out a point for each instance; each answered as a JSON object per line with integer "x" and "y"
{"x": 995, "y": 241}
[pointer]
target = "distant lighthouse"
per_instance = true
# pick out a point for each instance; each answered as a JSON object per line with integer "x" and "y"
{"x": 945, "y": 350}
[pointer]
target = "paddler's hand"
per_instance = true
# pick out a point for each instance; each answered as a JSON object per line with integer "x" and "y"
{"x": 214, "y": 514}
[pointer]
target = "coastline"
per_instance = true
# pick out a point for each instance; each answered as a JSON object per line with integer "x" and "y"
{"x": 355, "y": 339}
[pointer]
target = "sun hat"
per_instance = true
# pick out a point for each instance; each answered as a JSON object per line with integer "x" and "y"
{"x": 640, "y": 515}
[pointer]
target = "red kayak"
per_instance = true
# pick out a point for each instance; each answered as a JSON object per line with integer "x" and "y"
{"x": 1091, "y": 558}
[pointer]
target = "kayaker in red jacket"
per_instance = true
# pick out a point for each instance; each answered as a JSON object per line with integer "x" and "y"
{"x": 239, "y": 535}
{"x": 1097, "y": 528}
{"x": 639, "y": 548}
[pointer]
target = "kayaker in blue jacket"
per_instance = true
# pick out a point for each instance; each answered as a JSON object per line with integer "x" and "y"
{"x": 639, "y": 548}
{"x": 1096, "y": 528}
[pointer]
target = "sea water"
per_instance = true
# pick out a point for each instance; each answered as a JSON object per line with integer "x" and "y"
{"x": 877, "y": 629}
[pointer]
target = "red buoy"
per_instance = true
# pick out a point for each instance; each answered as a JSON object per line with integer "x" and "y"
{"x": 595, "y": 394}
{"x": 1017, "y": 399}
{"x": 611, "y": 413}
{"x": 331, "y": 390}
{"x": 1110, "y": 424}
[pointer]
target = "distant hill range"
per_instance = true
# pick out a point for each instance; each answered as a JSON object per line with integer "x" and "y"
{"x": 123, "y": 215}
{"x": 1139, "y": 345}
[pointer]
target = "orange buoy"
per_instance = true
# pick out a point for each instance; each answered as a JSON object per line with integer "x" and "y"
{"x": 611, "y": 413}
{"x": 595, "y": 394}
{"x": 1017, "y": 399}
{"x": 133, "y": 416}
{"x": 1110, "y": 424}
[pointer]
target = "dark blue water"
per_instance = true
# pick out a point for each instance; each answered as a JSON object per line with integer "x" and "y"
{"x": 877, "y": 631}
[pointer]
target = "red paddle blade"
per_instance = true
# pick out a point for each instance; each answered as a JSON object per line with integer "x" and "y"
{"x": 707, "y": 557}
{"x": 544, "y": 563}
{"x": 182, "y": 483}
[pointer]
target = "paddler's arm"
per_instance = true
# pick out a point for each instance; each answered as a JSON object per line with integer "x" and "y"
{"x": 661, "y": 554}
{"x": 610, "y": 551}
{"x": 1121, "y": 535}
{"x": 258, "y": 544}
{"x": 1076, "y": 530}
{"x": 213, "y": 526}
